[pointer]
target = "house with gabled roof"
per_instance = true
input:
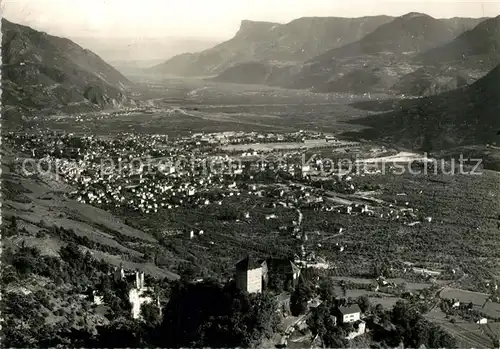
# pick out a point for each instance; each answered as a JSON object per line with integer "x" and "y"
{"x": 348, "y": 313}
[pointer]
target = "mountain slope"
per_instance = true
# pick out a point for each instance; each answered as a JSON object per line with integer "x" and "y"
{"x": 467, "y": 116}
{"x": 413, "y": 32}
{"x": 41, "y": 72}
{"x": 428, "y": 81}
{"x": 478, "y": 45}
{"x": 296, "y": 41}
{"x": 380, "y": 57}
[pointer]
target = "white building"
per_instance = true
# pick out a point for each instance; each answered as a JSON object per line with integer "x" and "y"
{"x": 482, "y": 321}
{"x": 348, "y": 314}
{"x": 97, "y": 299}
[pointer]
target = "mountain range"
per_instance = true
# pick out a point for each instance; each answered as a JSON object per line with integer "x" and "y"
{"x": 46, "y": 74}
{"x": 479, "y": 47}
{"x": 379, "y": 60}
{"x": 42, "y": 73}
{"x": 461, "y": 61}
{"x": 356, "y": 55}
{"x": 413, "y": 32}
{"x": 297, "y": 41}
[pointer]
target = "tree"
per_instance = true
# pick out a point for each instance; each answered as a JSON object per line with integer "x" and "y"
{"x": 189, "y": 271}
{"x": 326, "y": 292}
{"x": 335, "y": 338}
{"x": 364, "y": 303}
{"x": 206, "y": 314}
{"x": 414, "y": 330}
{"x": 148, "y": 256}
{"x": 8, "y": 275}
{"x": 348, "y": 327}
{"x": 378, "y": 310}
{"x": 322, "y": 323}
{"x": 13, "y": 221}
{"x": 299, "y": 299}
{"x": 317, "y": 322}
{"x": 228, "y": 213}
{"x": 122, "y": 334}
{"x": 276, "y": 283}
{"x": 150, "y": 314}
{"x": 262, "y": 317}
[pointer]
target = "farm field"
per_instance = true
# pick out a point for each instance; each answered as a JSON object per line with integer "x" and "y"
{"x": 385, "y": 299}
{"x": 468, "y": 335}
{"x": 463, "y": 233}
{"x": 490, "y": 309}
{"x": 38, "y": 207}
{"x": 187, "y": 106}
{"x": 409, "y": 285}
{"x": 285, "y": 146}
{"x": 476, "y": 298}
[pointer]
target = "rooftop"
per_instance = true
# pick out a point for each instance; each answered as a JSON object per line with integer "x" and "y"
{"x": 351, "y": 309}
{"x": 283, "y": 264}
{"x": 249, "y": 263}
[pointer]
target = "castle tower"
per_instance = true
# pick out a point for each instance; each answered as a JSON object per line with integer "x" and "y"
{"x": 119, "y": 273}
{"x": 139, "y": 280}
{"x": 249, "y": 275}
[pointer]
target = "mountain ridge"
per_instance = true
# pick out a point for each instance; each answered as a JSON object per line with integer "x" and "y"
{"x": 462, "y": 117}
{"x": 267, "y": 41}
{"x": 45, "y": 73}
{"x": 378, "y": 59}
{"x": 373, "y": 63}
{"x": 482, "y": 41}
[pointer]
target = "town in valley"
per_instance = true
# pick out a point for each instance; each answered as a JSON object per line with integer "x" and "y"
{"x": 305, "y": 192}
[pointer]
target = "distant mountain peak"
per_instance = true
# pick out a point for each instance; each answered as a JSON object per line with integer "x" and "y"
{"x": 415, "y": 15}
{"x": 490, "y": 22}
{"x": 475, "y": 47}
{"x": 249, "y": 25}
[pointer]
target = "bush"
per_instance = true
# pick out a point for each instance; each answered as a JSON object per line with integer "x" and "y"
{"x": 150, "y": 314}
{"x": 42, "y": 297}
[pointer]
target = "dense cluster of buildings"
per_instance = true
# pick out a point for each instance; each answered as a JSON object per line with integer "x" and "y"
{"x": 150, "y": 172}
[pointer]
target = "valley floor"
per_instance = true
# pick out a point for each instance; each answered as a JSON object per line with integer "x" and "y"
{"x": 365, "y": 225}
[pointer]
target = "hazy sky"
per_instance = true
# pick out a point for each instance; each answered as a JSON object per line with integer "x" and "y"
{"x": 209, "y": 18}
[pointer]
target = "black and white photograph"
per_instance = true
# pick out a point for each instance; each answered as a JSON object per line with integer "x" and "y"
{"x": 302, "y": 174}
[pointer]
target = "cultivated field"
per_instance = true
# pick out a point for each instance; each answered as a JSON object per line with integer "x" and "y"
{"x": 468, "y": 335}
{"x": 480, "y": 301}
{"x": 191, "y": 105}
